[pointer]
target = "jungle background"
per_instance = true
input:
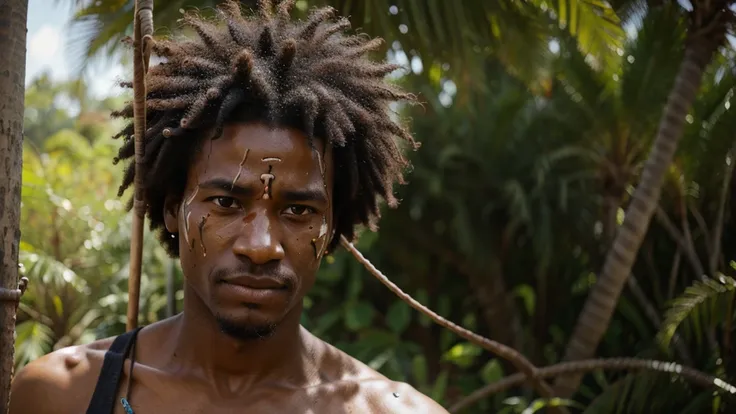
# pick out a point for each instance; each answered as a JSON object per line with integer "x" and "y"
{"x": 537, "y": 119}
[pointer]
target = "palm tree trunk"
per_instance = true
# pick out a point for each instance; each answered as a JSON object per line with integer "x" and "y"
{"x": 13, "y": 20}
{"x": 602, "y": 300}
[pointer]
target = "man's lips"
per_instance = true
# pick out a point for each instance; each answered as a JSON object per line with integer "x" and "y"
{"x": 254, "y": 282}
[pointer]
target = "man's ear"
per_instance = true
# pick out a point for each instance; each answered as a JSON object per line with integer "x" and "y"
{"x": 171, "y": 215}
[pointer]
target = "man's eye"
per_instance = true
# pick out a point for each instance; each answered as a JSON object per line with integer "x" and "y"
{"x": 226, "y": 202}
{"x": 299, "y": 210}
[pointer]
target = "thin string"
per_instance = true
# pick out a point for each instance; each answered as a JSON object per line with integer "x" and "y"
{"x": 125, "y": 400}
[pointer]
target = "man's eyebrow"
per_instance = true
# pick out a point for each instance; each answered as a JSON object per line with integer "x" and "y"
{"x": 306, "y": 194}
{"x": 227, "y": 185}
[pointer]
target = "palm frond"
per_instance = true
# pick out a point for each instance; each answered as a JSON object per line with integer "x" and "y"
{"x": 709, "y": 136}
{"x": 594, "y": 24}
{"x": 649, "y": 65}
{"x": 463, "y": 35}
{"x": 704, "y": 305}
{"x": 47, "y": 272}
{"x": 588, "y": 89}
{"x": 99, "y": 26}
{"x": 637, "y": 393}
{"x": 33, "y": 340}
{"x": 631, "y": 12}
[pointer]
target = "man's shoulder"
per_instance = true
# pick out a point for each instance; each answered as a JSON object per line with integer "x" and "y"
{"x": 66, "y": 377}
{"x": 376, "y": 393}
{"x": 386, "y": 396}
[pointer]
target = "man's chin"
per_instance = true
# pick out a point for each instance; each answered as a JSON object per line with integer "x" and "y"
{"x": 245, "y": 331}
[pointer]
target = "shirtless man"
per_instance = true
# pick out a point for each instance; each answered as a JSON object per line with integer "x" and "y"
{"x": 267, "y": 140}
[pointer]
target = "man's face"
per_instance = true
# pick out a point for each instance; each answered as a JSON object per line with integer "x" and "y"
{"x": 253, "y": 224}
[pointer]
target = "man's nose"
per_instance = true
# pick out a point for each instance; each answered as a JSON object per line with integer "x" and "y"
{"x": 258, "y": 241}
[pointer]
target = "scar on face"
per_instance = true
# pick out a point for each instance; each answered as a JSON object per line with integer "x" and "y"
{"x": 201, "y": 233}
{"x": 240, "y": 168}
{"x": 267, "y": 178}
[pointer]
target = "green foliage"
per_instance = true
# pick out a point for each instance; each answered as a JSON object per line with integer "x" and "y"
{"x": 705, "y": 305}
{"x": 521, "y": 180}
{"x": 635, "y": 393}
{"x": 75, "y": 232}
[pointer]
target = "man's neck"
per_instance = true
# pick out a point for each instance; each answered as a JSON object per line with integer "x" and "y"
{"x": 201, "y": 348}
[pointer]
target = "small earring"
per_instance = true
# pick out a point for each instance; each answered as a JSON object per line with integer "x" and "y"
{"x": 173, "y": 235}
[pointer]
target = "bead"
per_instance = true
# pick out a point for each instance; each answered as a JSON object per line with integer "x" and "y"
{"x": 126, "y": 406}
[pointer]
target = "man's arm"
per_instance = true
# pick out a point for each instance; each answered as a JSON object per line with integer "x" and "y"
{"x": 55, "y": 383}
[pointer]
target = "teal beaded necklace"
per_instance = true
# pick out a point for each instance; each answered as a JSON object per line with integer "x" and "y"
{"x": 124, "y": 401}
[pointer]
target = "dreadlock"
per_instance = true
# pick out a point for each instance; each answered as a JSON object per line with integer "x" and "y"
{"x": 309, "y": 75}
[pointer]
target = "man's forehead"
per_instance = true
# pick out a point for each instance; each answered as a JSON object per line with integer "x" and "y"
{"x": 271, "y": 141}
{"x": 256, "y": 146}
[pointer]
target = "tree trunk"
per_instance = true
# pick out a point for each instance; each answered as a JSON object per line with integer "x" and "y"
{"x": 13, "y": 18}
{"x": 602, "y": 300}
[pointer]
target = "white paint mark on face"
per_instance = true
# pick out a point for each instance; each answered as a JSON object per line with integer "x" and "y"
{"x": 266, "y": 179}
{"x": 322, "y": 236}
{"x": 186, "y": 227}
{"x": 191, "y": 197}
{"x": 323, "y": 227}
{"x": 240, "y": 168}
{"x": 271, "y": 159}
{"x": 184, "y": 212}
{"x": 321, "y": 165}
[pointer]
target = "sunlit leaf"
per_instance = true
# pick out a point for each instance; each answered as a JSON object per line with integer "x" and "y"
{"x": 462, "y": 354}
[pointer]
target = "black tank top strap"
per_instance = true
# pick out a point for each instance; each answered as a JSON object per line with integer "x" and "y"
{"x": 104, "y": 397}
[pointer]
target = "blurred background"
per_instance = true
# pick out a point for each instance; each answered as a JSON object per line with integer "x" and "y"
{"x": 537, "y": 119}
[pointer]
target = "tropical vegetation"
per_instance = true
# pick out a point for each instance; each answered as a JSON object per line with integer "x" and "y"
{"x": 553, "y": 133}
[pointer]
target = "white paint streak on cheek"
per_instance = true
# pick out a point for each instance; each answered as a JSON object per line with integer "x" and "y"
{"x": 323, "y": 227}
{"x": 191, "y": 197}
{"x": 323, "y": 236}
{"x": 186, "y": 228}
{"x": 186, "y": 213}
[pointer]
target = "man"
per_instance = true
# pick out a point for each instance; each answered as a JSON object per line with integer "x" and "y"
{"x": 267, "y": 141}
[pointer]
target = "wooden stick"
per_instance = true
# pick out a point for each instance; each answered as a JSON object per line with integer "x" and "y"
{"x": 142, "y": 39}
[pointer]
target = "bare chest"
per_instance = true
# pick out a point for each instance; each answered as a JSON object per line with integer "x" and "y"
{"x": 169, "y": 396}
{"x": 145, "y": 402}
